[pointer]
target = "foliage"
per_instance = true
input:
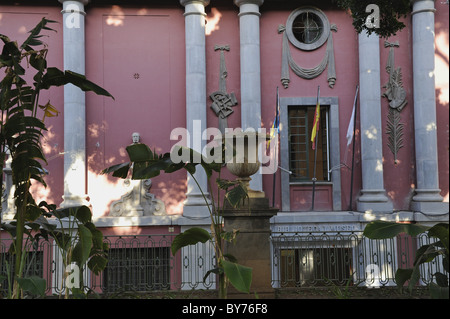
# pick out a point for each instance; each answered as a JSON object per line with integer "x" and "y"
{"x": 425, "y": 254}
{"x": 147, "y": 164}
{"x": 390, "y": 14}
{"x": 21, "y": 129}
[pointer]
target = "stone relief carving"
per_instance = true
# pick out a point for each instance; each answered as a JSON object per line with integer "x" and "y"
{"x": 394, "y": 88}
{"x": 137, "y": 200}
{"x": 326, "y": 35}
{"x": 396, "y": 95}
{"x": 222, "y": 101}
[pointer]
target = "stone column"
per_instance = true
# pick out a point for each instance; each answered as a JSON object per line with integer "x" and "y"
{"x": 373, "y": 195}
{"x": 74, "y": 105}
{"x": 194, "y": 205}
{"x": 250, "y": 70}
{"x": 427, "y": 198}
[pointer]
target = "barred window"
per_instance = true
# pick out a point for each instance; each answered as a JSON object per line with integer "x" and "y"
{"x": 137, "y": 269}
{"x": 301, "y": 154}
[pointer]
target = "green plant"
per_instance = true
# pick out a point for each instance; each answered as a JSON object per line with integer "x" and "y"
{"x": 20, "y": 126}
{"x": 390, "y": 13}
{"x": 147, "y": 164}
{"x": 425, "y": 254}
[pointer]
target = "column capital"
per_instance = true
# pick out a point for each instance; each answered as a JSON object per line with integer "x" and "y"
{"x": 84, "y": 2}
{"x": 186, "y": 2}
{"x": 240, "y": 2}
{"x": 419, "y": 6}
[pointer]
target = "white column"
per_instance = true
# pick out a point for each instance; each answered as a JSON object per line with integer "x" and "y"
{"x": 373, "y": 195}
{"x": 250, "y": 70}
{"x": 194, "y": 205}
{"x": 74, "y": 105}
{"x": 427, "y": 198}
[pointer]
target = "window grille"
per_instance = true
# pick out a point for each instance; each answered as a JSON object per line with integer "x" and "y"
{"x": 301, "y": 154}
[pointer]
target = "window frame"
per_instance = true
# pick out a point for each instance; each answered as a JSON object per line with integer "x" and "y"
{"x": 334, "y": 147}
{"x": 321, "y": 39}
{"x": 323, "y": 138}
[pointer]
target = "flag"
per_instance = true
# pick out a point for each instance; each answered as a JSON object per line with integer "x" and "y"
{"x": 276, "y": 122}
{"x": 315, "y": 128}
{"x": 351, "y": 123}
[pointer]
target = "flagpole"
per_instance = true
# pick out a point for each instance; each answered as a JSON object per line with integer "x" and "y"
{"x": 276, "y": 148}
{"x": 353, "y": 151}
{"x": 315, "y": 153}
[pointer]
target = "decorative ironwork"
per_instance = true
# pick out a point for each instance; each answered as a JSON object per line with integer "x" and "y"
{"x": 143, "y": 263}
{"x": 342, "y": 258}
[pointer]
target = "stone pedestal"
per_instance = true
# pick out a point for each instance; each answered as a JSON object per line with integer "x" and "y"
{"x": 252, "y": 245}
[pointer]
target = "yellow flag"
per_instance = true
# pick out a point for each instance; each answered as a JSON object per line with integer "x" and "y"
{"x": 315, "y": 128}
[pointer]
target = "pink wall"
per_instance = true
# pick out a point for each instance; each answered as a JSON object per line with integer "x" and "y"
{"x": 145, "y": 74}
{"x": 124, "y": 41}
{"x": 15, "y": 22}
{"x": 346, "y": 59}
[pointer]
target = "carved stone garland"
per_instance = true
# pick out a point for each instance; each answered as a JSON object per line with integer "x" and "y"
{"x": 308, "y": 73}
{"x": 396, "y": 95}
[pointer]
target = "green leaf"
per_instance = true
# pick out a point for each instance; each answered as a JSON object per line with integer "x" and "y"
{"x": 382, "y": 229}
{"x": 56, "y": 77}
{"x": 402, "y": 276}
{"x": 236, "y": 195}
{"x": 191, "y": 236}
{"x": 441, "y": 232}
{"x": 119, "y": 170}
{"x": 139, "y": 152}
{"x": 33, "y": 284}
{"x": 83, "y": 214}
{"x": 441, "y": 279}
{"x": 83, "y": 247}
{"x": 239, "y": 276}
{"x": 32, "y": 39}
{"x": 97, "y": 264}
{"x": 216, "y": 271}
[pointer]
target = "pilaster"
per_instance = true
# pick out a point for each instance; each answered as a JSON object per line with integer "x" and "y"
{"x": 373, "y": 195}
{"x": 74, "y": 105}
{"x": 249, "y": 32}
{"x": 194, "y": 15}
{"x": 427, "y": 198}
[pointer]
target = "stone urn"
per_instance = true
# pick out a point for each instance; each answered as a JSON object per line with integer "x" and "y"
{"x": 244, "y": 160}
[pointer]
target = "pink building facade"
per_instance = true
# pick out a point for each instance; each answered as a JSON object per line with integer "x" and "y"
{"x": 160, "y": 61}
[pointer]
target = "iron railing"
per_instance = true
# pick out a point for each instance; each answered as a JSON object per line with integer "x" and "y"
{"x": 143, "y": 263}
{"x": 345, "y": 258}
{"x": 136, "y": 263}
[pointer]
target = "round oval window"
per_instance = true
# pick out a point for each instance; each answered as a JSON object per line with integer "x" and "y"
{"x": 307, "y": 28}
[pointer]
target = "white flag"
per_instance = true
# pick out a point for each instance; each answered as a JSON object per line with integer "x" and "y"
{"x": 351, "y": 124}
